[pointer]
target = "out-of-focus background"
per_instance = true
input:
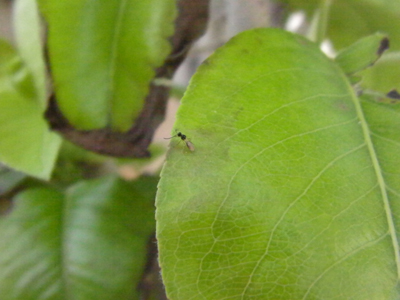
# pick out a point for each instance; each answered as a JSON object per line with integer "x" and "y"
{"x": 227, "y": 18}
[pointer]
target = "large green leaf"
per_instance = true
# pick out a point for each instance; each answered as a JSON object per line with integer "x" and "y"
{"x": 89, "y": 244}
{"x": 286, "y": 195}
{"x": 351, "y": 19}
{"x": 26, "y": 143}
{"x": 103, "y": 55}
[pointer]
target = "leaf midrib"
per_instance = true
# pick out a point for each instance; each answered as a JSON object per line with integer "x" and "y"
{"x": 114, "y": 52}
{"x": 380, "y": 179}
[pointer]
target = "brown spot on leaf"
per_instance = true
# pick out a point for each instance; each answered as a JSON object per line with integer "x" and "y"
{"x": 384, "y": 45}
{"x": 393, "y": 94}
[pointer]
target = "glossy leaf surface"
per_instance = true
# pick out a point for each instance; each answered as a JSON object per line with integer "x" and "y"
{"x": 88, "y": 244}
{"x": 103, "y": 55}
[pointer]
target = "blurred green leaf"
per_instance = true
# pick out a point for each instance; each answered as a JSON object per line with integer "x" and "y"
{"x": 75, "y": 164}
{"x": 362, "y": 54}
{"x": 103, "y": 55}
{"x": 26, "y": 144}
{"x": 27, "y": 25}
{"x": 30, "y": 268}
{"x": 89, "y": 244}
{"x": 351, "y": 19}
{"x": 292, "y": 192}
{"x": 9, "y": 179}
{"x": 385, "y": 75}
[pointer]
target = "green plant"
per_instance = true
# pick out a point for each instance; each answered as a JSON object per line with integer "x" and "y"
{"x": 292, "y": 189}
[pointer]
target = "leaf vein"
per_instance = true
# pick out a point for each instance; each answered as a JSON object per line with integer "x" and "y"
{"x": 323, "y": 170}
{"x": 380, "y": 178}
{"x": 343, "y": 259}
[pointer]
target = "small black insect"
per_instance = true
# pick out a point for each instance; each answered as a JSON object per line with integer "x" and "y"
{"x": 183, "y": 137}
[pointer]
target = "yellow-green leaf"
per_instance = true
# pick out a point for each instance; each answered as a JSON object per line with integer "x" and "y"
{"x": 292, "y": 191}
